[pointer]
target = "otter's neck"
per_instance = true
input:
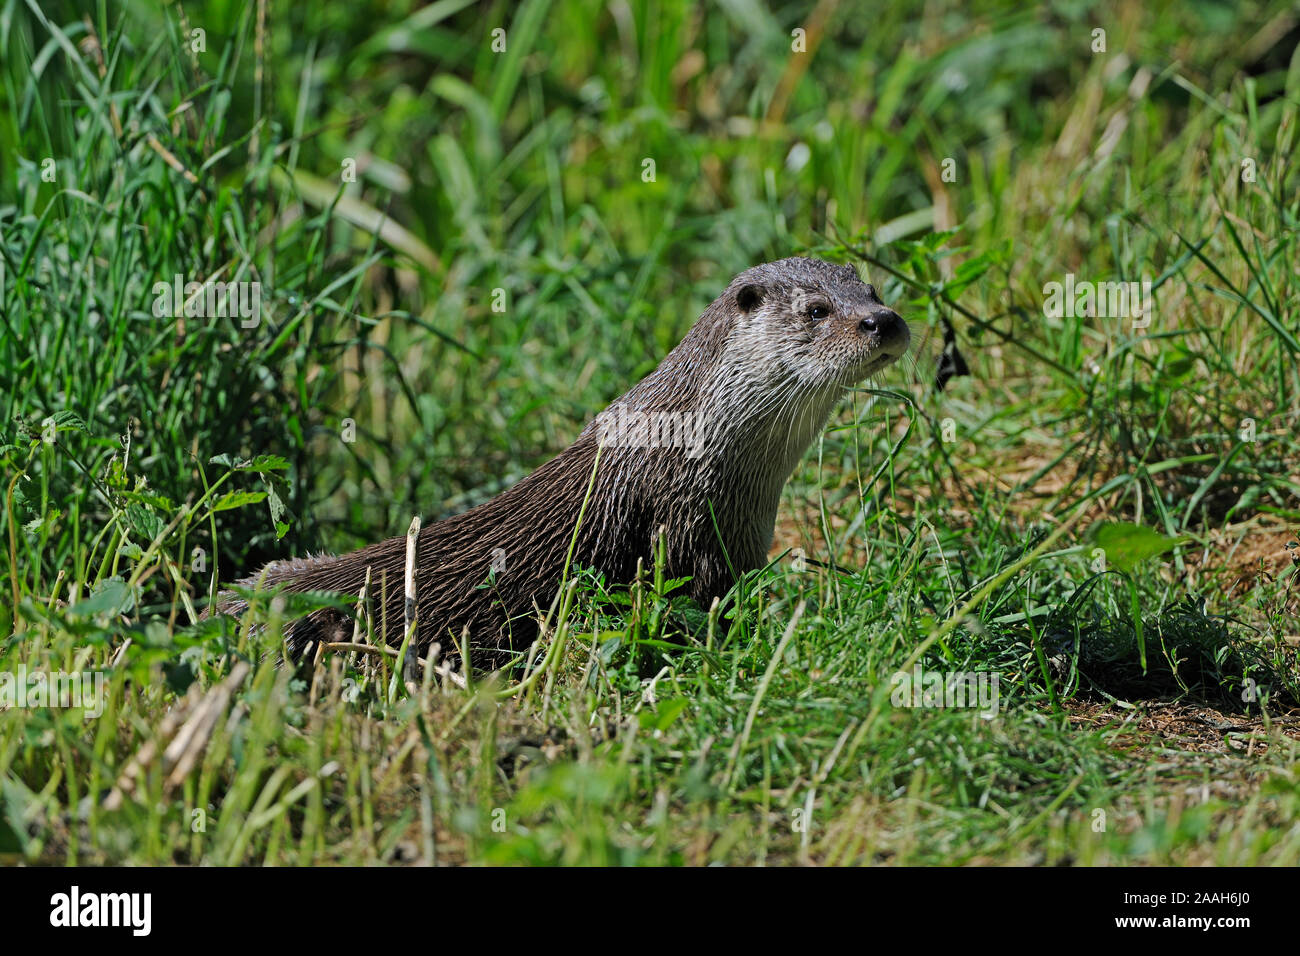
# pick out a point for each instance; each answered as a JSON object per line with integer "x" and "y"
{"x": 755, "y": 452}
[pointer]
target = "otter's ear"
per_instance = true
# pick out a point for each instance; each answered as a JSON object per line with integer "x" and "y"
{"x": 749, "y": 296}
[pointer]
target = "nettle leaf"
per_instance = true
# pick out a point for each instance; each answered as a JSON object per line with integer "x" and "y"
{"x": 43, "y": 523}
{"x": 275, "y": 502}
{"x": 144, "y": 521}
{"x": 926, "y": 244}
{"x": 112, "y": 596}
{"x": 129, "y": 549}
{"x": 64, "y": 421}
{"x": 149, "y": 498}
{"x": 1129, "y": 545}
{"x": 266, "y": 463}
{"x": 237, "y": 499}
{"x": 974, "y": 268}
{"x": 693, "y": 616}
{"x": 278, "y": 510}
{"x": 260, "y": 463}
{"x": 21, "y": 498}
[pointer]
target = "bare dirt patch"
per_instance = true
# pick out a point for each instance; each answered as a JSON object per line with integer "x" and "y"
{"x": 1185, "y": 726}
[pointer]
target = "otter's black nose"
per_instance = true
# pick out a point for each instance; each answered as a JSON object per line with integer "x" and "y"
{"x": 883, "y": 322}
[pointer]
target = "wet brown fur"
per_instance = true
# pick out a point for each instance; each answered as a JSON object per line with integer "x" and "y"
{"x": 762, "y": 375}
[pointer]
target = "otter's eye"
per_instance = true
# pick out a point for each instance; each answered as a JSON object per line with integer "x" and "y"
{"x": 819, "y": 311}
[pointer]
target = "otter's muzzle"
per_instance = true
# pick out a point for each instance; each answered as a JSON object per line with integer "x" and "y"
{"x": 888, "y": 328}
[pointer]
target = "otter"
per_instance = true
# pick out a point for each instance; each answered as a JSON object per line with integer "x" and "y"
{"x": 697, "y": 451}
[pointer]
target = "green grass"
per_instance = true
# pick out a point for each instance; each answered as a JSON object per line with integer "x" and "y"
{"x": 1148, "y": 679}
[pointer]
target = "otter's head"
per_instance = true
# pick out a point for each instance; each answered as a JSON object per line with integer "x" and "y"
{"x": 815, "y": 325}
